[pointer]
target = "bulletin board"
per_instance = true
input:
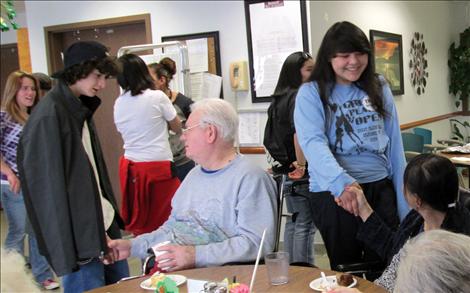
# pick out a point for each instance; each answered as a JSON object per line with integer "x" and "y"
{"x": 275, "y": 29}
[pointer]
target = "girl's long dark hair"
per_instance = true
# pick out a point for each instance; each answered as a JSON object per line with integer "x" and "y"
{"x": 134, "y": 75}
{"x": 345, "y": 37}
{"x": 290, "y": 77}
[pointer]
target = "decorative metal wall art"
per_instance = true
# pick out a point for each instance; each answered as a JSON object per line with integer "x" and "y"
{"x": 418, "y": 63}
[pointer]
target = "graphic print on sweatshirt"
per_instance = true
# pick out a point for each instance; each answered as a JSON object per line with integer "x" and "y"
{"x": 355, "y": 127}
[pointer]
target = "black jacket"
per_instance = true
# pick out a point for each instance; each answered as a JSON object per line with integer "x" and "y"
{"x": 280, "y": 129}
{"x": 377, "y": 235}
{"x": 60, "y": 190}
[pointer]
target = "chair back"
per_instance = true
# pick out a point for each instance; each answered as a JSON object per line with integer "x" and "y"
{"x": 425, "y": 133}
{"x": 412, "y": 142}
{"x": 464, "y": 197}
{"x": 291, "y": 185}
{"x": 281, "y": 180}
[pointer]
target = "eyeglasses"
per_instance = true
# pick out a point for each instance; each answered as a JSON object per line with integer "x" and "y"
{"x": 186, "y": 129}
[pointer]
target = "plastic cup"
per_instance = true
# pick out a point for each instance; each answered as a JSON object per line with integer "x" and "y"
{"x": 277, "y": 264}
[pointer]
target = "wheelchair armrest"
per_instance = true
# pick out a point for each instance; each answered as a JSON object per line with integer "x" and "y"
{"x": 148, "y": 264}
{"x": 147, "y": 267}
{"x": 300, "y": 181}
{"x": 303, "y": 264}
{"x": 363, "y": 267}
{"x": 296, "y": 184}
{"x": 243, "y": 263}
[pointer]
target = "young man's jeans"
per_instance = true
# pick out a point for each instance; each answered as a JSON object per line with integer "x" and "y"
{"x": 299, "y": 230}
{"x": 13, "y": 205}
{"x": 94, "y": 274}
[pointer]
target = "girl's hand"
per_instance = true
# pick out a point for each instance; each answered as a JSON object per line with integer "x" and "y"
{"x": 299, "y": 171}
{"x": 364, "y": 209}
{"x": 14, "y": 183}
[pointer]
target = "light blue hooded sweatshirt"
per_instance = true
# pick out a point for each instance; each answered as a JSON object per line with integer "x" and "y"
{"x": 351, "y": 142}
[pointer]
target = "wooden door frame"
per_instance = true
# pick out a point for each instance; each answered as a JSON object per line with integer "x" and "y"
{"x": 52, "y": 33}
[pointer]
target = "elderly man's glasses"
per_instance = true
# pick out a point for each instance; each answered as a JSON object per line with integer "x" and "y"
{"x": 186, "y": 129}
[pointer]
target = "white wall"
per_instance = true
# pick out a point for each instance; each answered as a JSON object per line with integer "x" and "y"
{"x": 167, "y": 18}
{"x": 439, "y": 21}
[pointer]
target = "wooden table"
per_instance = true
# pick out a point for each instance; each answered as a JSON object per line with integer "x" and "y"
{"x": 299, "y": 280}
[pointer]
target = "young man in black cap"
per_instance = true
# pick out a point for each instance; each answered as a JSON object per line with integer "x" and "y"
{"x": 66, "y": 187}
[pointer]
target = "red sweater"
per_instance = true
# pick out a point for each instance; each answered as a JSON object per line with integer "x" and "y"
{"x": 147, "y": 189}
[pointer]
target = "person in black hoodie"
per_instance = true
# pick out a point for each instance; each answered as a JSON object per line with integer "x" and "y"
{"x": 431, "y": 188}
{"x": 288, "y": 158}
{"x": 67, "y": 191}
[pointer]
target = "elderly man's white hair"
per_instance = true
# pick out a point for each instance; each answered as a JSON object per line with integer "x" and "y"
{"x": 435, "y": 261}
{"x": 221, "y": 114}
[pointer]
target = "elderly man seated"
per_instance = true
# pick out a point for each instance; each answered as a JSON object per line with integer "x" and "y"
{"x": 221, "y": 208}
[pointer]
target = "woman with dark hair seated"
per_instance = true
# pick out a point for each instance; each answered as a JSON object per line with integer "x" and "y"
{"x": 435, "y": 261}
{"x": 431, "y": 189}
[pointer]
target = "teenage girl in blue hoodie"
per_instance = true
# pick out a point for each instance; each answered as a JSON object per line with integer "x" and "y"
{"x": 347, "y": 126}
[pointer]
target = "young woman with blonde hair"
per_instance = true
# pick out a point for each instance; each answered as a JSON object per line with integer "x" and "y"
{"x": 21, "y": 92}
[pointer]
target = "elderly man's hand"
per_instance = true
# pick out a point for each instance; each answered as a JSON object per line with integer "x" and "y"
{"x": 176, "y": 257}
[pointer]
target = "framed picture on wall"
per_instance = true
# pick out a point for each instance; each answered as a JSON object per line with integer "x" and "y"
{"x": 275, "y": 29}
{"x": 388, "y": 56}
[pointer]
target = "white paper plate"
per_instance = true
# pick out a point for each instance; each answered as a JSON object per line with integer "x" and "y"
{"x": 318, "y": 284}
{"x": 179, "y": 279}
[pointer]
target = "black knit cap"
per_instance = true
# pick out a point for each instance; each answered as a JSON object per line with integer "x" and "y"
{"x": 80, "y": 52}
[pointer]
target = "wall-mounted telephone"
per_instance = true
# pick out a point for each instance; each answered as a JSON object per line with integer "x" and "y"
{"x": 239, "y": 76}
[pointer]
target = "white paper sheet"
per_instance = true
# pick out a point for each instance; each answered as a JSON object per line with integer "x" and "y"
{"x": 198, "y": 55}
{"x": 205, "y": 85}
{"x": 196, "y": 86}
{"x": 211, "y": 86}
{"x": 276, "y": 32}
{"x": 249, "y": 128}
{"x": 195, "y": 286}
